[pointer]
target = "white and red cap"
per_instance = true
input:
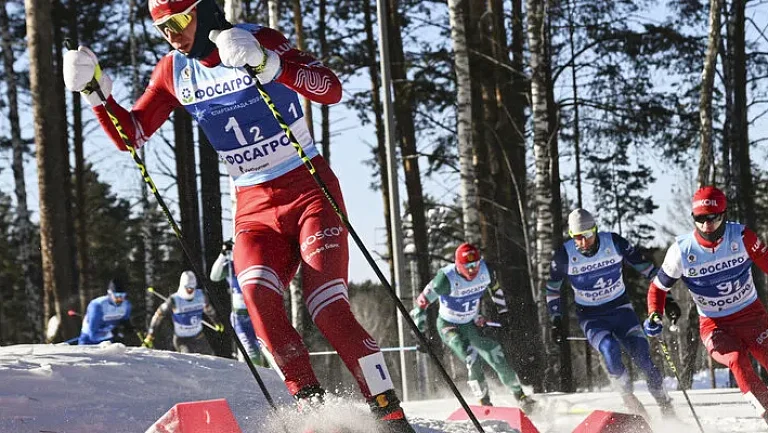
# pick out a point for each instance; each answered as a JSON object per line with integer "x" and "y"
{"x": 467, "y": 253}
{"x": 161, "y": 9}
{"x": 709, "y": 200}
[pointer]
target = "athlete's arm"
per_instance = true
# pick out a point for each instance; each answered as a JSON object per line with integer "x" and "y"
{"x": 209, "y": 310}
{"x": 558, "y": 271}
{"x": 159, "y": 314}
{"x": 93, "y": 316}
{"x": 430, "y": 292}
{"x": 671, "y": 271}
{"x": 634, "y": 257}
{"x": 150, "y": 111}
{"x": 757, "y": 250}
{"x": 300, "y": 71}
{"x": 497, "y": 294}
{"x": 218, "y": 269}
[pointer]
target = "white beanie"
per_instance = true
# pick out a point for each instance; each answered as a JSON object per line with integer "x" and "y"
{"x": 580, "y": 221}
{"x": 187, "y": 279}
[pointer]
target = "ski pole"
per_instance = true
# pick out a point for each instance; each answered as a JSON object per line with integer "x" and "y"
{"x": 344, "y": 220}
{"x": 671, "y": 363}
{"x": 165, "y": 298}
{"x": 73, "y": 313}
{"x": 95, "y": 87}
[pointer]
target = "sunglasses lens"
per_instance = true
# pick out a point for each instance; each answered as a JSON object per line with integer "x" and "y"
{"x": 471, "y": 265}
{"x": 701, "y": 219}
{"x": 175, "y": 23}
{"x": 582, "y": 236}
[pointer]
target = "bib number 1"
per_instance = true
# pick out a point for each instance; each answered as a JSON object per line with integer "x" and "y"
{"x": 375, "y": 372}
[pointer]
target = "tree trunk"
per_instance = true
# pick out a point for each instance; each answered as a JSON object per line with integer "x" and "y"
{"x": 508, "y": 144}
{"x": 707, "y": 159}
{"x": 55, "y": 241}
{"x": 725, "y": 59}
{"x": 403, "y": 103}
{"x": 464, "y": 121}
{"x": 33, "y": 332}
{"x": 299, "y": 27}
{"x": 380, "y": 151}
{"x": 186, "y": 181}
{"x": 60, "y": 18}
{"x": 83, "y": 267}
{"x": 210, "y": 191}
{"x": 547, "y": 233}
{"x": 575, "y": 93}
{"x": 325, "y": 122}
{"x": 740, "y": 133}
{"x": 273, "y": 6}
{"x": 566, "y": 373}
{"x": 233, "y": 11}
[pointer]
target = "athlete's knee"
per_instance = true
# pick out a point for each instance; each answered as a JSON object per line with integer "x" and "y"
{"x": 611, "y": 351}
{"x": 330, "y": 297}
{"x": 258, "y": 278}
{"x": 472, "y": 357}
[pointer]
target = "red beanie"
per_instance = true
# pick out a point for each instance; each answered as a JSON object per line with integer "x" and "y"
{"x": 162, "y": 8}
{"x": 467, "y": 253}
{"x": 709, "y": 200}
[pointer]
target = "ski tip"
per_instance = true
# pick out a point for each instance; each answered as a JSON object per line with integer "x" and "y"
{"x": 150, "y": 289}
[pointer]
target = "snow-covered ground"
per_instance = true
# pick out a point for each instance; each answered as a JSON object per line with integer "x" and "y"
{"x": 69, "y": 389}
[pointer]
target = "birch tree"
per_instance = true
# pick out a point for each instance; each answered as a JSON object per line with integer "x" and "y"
{"x": 468, "y": 187}
{"x": 273, "y": 8}
{"x": 707, "y": 158}
{"x": 543, "y": 199}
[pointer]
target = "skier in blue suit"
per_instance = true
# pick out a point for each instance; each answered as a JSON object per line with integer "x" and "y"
{"x": 224, "y": 268}
{"x": 592, "y": 261}
{"x": 104, "y": 315}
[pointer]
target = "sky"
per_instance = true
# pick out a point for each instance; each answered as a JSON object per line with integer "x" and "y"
{"x": 117, "y": 389}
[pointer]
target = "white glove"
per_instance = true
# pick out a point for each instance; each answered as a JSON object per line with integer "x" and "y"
{"x": 238, "y": 47}
{"x": 80, "y": 67}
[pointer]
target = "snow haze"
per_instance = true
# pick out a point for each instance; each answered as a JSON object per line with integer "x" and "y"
{"x": 115, "y": 389}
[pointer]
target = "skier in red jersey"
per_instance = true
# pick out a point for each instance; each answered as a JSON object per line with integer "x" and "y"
{"x": 715, "y": 263}
{"x": 282, "y": 218}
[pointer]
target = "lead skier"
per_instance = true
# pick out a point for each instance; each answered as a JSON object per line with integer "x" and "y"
{"x": 283, "y": 218}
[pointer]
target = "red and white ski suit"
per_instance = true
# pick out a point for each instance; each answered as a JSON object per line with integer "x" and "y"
{"x": 730, "y": 338}
{"x": 282, "y": 218}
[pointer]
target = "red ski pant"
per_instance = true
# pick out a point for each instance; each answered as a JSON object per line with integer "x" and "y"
{"x": 730, "y": 340}
{"x": 280, "y": 224}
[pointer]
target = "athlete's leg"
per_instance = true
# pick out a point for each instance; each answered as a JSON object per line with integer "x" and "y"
{"x": 459, "y": 344}
{"x": 324, "y": 266}
{"x": 265, "y": 263}
{"x": 630, "y": 334}
{"x": 199, "y": 344}
{"x": 598, "y": 332}
{"x": 728, "y": 350}
{"x": 243, "y": 327}
{"x": 729, "y": 340}
{"x": 493, "y": 354}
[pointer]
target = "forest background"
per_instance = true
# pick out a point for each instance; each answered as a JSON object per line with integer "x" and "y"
{"x": 508, "y": 115}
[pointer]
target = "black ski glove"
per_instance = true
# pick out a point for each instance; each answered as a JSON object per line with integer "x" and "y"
{"x": 556, "y": 328}
{"x": 671, "y": 309}
{"x": 227, "y": 246}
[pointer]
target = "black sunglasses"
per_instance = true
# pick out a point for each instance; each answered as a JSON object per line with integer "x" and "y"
{"x": 701, "y": 219}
